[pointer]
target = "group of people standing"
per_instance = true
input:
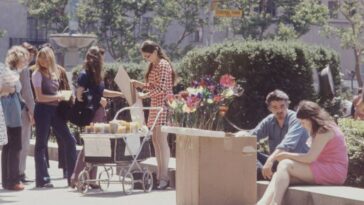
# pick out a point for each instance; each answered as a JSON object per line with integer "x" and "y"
{"x": 33, "y": 98}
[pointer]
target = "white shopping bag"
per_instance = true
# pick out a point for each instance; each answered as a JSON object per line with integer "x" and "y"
{"x": 133, "y": 143}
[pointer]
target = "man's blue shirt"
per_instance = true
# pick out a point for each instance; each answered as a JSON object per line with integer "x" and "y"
{"x": 291, "y": 137}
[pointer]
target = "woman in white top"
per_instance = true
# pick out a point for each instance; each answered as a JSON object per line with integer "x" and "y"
{"x": 4, "y": 90}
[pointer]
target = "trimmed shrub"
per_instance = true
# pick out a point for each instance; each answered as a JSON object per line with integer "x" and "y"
{"x": 354, "y": 133}
{"x": 262, "y": 66}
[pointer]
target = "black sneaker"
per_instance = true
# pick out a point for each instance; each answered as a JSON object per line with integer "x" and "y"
{"x": 46, "y": 185}
{"x": 24, "y": 179}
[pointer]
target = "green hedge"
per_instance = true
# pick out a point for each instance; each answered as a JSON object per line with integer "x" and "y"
{"x": 354, "y": 133}
{"x": 261, "y": 66}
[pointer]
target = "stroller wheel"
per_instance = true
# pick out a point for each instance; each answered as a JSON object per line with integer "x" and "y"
{"x": 104, "y": 178}
{"x": 128, "y": 183}
{"x": 82, "y": 185}
{"x": 147, "y": 181}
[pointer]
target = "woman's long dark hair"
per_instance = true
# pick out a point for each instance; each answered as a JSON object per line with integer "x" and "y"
{"x": 149, "y": 46}
{"x": 94, "y": 63}
{"x": 321, "y": 120}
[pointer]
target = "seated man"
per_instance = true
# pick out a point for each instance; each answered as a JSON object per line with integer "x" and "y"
{"x": 283, "y": 130}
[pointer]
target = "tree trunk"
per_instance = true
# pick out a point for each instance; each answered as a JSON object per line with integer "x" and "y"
{"x": 357, "y": 54}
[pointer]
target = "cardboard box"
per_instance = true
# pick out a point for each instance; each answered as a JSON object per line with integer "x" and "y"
{"x": 214, "y": 170}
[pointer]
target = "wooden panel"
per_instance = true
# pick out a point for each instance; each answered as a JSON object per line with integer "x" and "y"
{"x": 215, "y": 171}
{"x": 187, "y": 160}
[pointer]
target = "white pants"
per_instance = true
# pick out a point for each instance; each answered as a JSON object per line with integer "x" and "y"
{"x": 26, "y": 131}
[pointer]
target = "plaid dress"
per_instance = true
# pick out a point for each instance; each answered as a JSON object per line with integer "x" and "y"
{"x": 159, "y": 87}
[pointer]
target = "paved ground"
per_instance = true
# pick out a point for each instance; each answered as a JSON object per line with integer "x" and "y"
{"x": 63, "y": 195}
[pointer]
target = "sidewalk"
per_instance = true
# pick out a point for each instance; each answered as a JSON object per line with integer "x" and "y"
{"x": 63, "y": 195}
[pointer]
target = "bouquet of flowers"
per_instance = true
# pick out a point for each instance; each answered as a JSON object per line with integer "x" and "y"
{"x": 204, "y": 104}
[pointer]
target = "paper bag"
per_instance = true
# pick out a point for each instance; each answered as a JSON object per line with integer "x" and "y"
{"x": 122, "y": 79}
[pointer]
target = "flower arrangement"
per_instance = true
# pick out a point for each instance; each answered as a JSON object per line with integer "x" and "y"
{"x": 205, "y": 103}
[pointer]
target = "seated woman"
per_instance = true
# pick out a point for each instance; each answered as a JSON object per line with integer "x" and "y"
{"x": 326, "y": 163}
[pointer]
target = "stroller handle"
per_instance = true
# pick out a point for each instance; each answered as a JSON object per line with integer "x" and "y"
{"x": 160, "y": 109}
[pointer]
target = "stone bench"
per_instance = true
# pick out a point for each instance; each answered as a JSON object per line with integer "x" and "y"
{"x": 318, "y": 195}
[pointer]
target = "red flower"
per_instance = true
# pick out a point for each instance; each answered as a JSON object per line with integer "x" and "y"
{"x": 183, "y": 94}
{"x": 227, "y": 81}
{"x": 217, "y": 98}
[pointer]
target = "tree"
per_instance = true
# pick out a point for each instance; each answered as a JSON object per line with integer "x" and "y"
{"x": 117, "y": 23}
{"x": 188, "y": 14}
{"x": 121, "y": 27}
{"x": 114, "y": 22}
{"x": 352, "y": 35}
{"x": 52, "y": 12}
{"x": 292, "y": 18}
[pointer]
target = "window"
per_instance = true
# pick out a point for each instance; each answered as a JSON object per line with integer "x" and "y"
{"x": 196, "y": 36}
{"x": 269, "y": 7}
{"x": 333, "y": 9}
{"x": 36, "y": 29}
{"x": 145, "y": 26}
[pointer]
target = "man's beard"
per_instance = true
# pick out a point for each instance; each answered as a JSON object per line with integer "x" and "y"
{"x": 280, "y": 115}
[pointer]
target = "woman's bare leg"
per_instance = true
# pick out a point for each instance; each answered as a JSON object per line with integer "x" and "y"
{"x": 286, "y": 170}
{"x": 268, "y": 194}
{"x": 156, "y": 152}
{"x": 165, "y": 153}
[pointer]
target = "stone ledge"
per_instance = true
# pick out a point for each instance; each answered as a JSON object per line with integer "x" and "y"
{"x": 318, "y": 195}
{"x": 52, "y": 149}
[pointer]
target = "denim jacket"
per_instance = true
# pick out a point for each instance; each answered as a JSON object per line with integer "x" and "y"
{"x": 12, "y": 106}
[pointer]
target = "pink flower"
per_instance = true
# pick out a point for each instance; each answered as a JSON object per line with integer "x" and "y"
{"x": 192, "y": 101}
{"x": 227, "y": 81}
{"x": 170, "y": 98}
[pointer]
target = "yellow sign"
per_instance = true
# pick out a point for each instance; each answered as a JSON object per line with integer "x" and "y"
{"x": 228, "y": 13}
{"x": 213, "y": 4}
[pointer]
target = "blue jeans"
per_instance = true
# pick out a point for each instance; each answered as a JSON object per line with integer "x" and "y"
{"x": 10, "y": 158}
{"x": 45, "y": 117}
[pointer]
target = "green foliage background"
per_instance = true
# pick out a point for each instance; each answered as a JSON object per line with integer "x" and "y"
{"x": 354, "y": 133}
{"x": 262, "y": 66}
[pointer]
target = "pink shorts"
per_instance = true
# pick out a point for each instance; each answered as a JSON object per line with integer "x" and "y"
{"x": 328, "y": 173}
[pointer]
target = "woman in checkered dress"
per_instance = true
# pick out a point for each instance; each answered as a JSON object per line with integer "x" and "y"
{"x": 159, "y": 82}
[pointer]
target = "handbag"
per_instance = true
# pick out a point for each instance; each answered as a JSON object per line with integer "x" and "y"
{"x": 64, "y": 109}
{"x": 82, "y": 113}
